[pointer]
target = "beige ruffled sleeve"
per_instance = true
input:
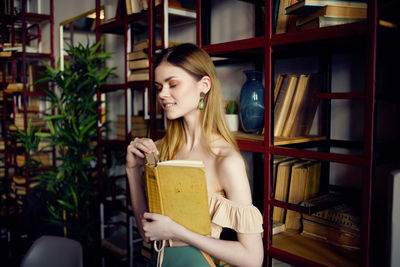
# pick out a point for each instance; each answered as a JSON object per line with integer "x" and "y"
{"x": 245, "y": 219}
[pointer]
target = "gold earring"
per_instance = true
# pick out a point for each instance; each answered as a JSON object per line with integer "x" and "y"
{"x": 201, "y": 102}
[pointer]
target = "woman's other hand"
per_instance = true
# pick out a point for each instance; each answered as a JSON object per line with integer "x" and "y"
{"x": 136, "y": 149}
{"x": 159, "y": 227}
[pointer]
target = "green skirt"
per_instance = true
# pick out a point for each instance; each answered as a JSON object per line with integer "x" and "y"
{"x": 180, "y": 257}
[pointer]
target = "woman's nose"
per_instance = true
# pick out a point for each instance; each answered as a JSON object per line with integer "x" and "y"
{"x": 164, "y": 92}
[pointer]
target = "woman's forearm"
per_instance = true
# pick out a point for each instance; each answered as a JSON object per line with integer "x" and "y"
{"x": 138, "y": 198}
{"x": 248, "y": 251}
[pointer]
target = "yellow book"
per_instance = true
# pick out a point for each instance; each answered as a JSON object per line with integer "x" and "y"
{"x": 282, "y": 106}
{"x": 139, "y": 64}
{"x": 178, "y": 189}
{"x": 297, "y": 101}
{"x": 297, "y": 185}
{"x": 281, "y": 188}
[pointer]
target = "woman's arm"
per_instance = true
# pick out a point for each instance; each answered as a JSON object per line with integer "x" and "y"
{"x": 247, "y": 251}
{"x": 134, "y": 171}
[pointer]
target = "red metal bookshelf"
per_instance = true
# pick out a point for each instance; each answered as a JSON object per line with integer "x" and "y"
{"x": 348, "y": 37}
{"x": 30, "y": 25}
{"x": 265, "y": 49}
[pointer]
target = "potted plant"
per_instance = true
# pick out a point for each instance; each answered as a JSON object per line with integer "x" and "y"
{"x": 231, "y": 116}
{"x": 71, "y": 186}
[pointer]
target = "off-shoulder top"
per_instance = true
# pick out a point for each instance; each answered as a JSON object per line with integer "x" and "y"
{"x": 245, "y": 219}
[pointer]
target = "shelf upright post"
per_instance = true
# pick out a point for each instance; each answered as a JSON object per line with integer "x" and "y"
{"x": 368, "y": 169}
{"x": 151, "y": 93}
{"x": 268, "y": 137}
{"x": 24, "y": 92}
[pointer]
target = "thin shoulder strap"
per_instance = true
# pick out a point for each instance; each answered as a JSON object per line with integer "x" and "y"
{"x": 208, "y": 258}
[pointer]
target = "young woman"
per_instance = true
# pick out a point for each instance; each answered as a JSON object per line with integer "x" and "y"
{"x": 190, "y": 94}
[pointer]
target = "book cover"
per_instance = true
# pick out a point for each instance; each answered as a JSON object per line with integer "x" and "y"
{"x": 297, "y": 101}
{"x": 139, "y": 54}
{"x": 178, "y": 189}
{"x": 282, "y": 19}
{"x": 305, "y": 114}
{"x": 323, "y": 21}
{"x": 313, "y": 180}
{"x": 303, "y": 5}
{"x": 333, "y": 235}
{"x": 278, "y": 228}
{"x": 332, "y": 11}
{"x": 281, "y": 189}
{"x": 139, "y": 64}
{"x": 283, "y": 102}
{"x": 298, "y": 182}
{"x": 139, "y": 75}
{"x": 278, "y": 85}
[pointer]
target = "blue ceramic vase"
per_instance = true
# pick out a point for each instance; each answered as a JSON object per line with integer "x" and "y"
{"x": 252, "y": 102}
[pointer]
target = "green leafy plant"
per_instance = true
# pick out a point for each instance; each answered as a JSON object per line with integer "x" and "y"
{"x": 30, "y": 139}
{"x": 232, "y": 107}
{"x": 71, "y": 186}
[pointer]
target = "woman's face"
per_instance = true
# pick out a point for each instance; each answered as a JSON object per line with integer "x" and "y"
{"x": 178, "y": 91}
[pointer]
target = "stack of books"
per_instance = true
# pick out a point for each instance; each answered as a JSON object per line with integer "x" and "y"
{"x": 294, "y": 180}
{"x": 135, "y": 6}
{"x": 294, "y": 104}
{"x": 14, "y": 87}
{"x": 322, "y": 13}
{"x": 339, "y": 225}
{"x": 19, "y": 185}
{"x": 42, "y": 159}
{"x": 139, "y": 62}
{"x": 36, "y": 120}
{"x": 5, "y": 53}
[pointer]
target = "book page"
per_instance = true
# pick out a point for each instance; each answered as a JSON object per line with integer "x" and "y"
{"x": 182, "y": 163}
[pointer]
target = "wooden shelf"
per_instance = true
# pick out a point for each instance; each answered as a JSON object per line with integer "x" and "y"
{"x": 344, "y": 31}
{"x": 312, "y": 250}
{"x": 246, "y": 48}
{"x": 280, "y": 140}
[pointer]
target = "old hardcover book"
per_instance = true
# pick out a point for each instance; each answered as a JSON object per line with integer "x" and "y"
{"x": 332, "y": 11}
{"x": 278, "y": 85}
{"x": 139, "y": 64}
{"x": 297, "y": 101}
{"x": 313, "y": 180}
{"x": 178, "y": 189}
{"x": 322, "y": 21}
{"x": 278, "y": 228}
{"x": 331, "y": 233}
{"x": 283, "y": 172}
{"x": 298, "y": 182}
{"x": 305, "y": 113}
{"x": 139, "y": 75}
{"x": 307, "y": 5}
{"x": 139, "y": 54}
{"x": 283, "y": 102}
{"x": 282, "y": 19}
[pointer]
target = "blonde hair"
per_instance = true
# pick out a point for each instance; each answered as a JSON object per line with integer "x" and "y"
{"x": 198, "y": 64}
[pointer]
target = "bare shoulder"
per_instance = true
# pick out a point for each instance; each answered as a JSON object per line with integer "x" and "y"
{"x": 231, "y": 171}
{"x": 226, "y": 153}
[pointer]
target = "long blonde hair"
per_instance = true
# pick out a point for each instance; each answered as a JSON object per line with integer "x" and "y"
{"x": 198, "y": 64}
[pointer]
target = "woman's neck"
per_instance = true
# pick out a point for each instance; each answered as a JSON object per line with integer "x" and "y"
{"x": 193, "y": 131}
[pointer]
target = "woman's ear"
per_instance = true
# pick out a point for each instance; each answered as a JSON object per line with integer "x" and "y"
{"x": 204, "y": 84}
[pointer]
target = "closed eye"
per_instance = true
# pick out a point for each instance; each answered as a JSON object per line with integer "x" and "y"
{"x": 158, "y": 87}
{"x": 173, "y": 84}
